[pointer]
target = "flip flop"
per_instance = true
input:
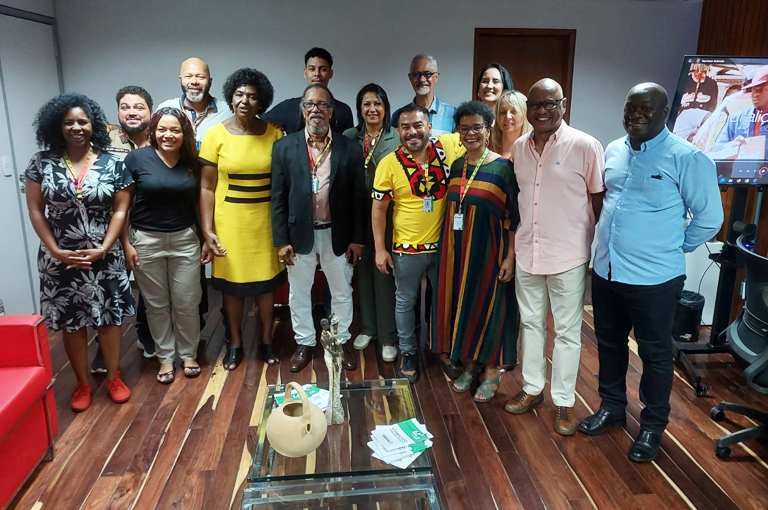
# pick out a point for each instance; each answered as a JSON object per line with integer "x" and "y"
{"x": 450, "y": 368}
{"x": 487, "y": 389}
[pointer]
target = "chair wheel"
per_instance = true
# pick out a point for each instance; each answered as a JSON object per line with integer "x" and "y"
{"x": 717, "y": 414}
{"x": 722, "y": 452}
{"x": 701, "y": 390}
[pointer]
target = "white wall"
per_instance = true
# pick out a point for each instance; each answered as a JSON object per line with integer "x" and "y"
{"x": 109, "y": 44}
{"x": 44, "y": 7}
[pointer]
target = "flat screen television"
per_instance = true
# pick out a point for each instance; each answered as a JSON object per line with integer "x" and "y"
{"x": 721, "y": 106}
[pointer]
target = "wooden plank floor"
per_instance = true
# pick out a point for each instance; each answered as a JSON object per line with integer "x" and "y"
{"x": 189, "y": 445}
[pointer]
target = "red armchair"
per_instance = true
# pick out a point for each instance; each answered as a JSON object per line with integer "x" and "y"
{"x": 27, "y": 407}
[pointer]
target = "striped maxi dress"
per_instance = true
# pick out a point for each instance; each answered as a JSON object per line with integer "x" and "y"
{"x": 474, "y": 316}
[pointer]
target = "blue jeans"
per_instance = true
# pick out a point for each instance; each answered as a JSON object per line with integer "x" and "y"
{"x": 408, "y": 272}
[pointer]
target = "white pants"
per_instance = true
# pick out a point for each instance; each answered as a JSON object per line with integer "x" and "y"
{"x": 565, "y": 293}
{"x": 301, "y": 276}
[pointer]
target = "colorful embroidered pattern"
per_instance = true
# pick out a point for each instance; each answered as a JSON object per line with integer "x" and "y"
{"x": 438, "y": 171}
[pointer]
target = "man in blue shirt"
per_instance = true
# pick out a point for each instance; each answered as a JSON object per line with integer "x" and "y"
{"x": 424, "y": 75}
{"x": 654, "y": 179}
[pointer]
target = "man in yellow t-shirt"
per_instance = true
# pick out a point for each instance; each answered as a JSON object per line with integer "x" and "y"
{"x": 415, "y": 177}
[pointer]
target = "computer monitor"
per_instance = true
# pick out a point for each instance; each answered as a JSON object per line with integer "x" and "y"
{"x": 721, "y": 106}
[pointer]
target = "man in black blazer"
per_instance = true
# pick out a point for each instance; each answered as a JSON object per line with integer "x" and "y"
{"x": 318, "y": 213}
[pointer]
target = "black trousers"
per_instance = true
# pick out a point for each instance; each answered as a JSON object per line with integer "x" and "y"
{"x": 650, "y": 310}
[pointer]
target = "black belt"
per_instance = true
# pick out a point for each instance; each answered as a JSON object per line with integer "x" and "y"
{"x": 322, "y": 226}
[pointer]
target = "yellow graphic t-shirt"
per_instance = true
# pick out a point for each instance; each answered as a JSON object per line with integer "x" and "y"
{"x": 401, "y": 179}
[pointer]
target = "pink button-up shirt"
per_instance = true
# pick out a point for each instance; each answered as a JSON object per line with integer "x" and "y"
{"x": 322, "y": 207}
{"x": 557, "y": 222}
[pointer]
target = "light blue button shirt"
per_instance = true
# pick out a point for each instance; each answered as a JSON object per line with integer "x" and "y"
{"x": 440, "y": 115}
{"x": 641, "y": 234}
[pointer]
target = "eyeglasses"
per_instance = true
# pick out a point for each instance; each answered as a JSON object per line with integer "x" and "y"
{"x": 548, "y": 105}
{"x": 418, "y": 75}
{"x": 308, "y": 107}
{"x": 477, "y": 128}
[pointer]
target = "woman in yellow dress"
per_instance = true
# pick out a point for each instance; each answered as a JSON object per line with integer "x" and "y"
{"x": 235, "y": 208}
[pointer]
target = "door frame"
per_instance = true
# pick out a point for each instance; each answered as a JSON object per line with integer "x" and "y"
{"x": 44, "y": 20}
{"x": 570, "y": 34}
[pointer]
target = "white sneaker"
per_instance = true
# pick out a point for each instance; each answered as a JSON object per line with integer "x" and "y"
{"x": 389, "y": 353}
{"x": 361, "y": 342}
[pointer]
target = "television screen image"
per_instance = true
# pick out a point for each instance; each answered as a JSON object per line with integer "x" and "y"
{"x": 721, "y": 106}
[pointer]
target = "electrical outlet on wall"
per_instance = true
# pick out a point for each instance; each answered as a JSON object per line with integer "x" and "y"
{"x": 5, "y": 161}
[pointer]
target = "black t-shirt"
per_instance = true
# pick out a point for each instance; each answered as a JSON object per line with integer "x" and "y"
{"x": 288, "y": 115}
{"x": 165, "y": 197}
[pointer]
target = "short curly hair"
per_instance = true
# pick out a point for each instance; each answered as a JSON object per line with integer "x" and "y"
{"x": 48, "y": 121}
{"x": 473, "y": 108}
{"x": 254, "y": 78}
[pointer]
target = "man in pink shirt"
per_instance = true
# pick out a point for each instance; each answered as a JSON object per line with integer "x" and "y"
{"x": 560, "y": 173}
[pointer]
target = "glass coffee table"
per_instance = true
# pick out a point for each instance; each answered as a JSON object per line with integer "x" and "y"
{"x": 341, "y": 472}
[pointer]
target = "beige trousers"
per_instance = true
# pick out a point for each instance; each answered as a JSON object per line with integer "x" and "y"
{"x": 168, "y": 276}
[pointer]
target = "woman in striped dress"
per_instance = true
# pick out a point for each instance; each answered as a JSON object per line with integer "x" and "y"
{"x": 471, "y": 315}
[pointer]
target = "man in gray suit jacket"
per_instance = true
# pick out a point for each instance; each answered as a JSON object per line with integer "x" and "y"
{"x": 318, "y": 213}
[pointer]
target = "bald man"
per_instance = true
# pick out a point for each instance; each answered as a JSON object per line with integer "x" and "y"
{"x": 654, "y": 180}
{"x": 559, "y": 170}
{"x": 201, "y": 107}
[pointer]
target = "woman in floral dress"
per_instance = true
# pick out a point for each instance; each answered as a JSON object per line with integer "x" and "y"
{"x": 78, "y": 198}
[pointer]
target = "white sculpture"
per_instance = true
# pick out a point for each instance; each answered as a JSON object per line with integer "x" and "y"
{"x": 334, "y": 354}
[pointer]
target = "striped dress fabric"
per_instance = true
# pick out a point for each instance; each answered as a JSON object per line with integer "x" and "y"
{"x": 474, "y": 316}
{"x": 242, "y": 217}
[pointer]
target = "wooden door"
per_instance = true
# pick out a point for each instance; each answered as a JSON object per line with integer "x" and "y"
{"x": 529, "y": 55}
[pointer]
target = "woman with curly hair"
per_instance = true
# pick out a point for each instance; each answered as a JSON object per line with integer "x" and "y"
{"x": 493, "y": 80}
{"x": 235, "y": 209}
{"x": 163, "y": 247}
{"x": 511, "y": 122}
{"x": 473, "y": 312}
{"x": 83, "y": 281}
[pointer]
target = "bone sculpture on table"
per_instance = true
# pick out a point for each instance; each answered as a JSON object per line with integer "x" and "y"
{"x": 334, "y": 414}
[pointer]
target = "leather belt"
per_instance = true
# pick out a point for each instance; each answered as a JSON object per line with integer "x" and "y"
{"x": 322, "y": 226}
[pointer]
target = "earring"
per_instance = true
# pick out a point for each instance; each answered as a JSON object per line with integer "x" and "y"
{"x": 460, "y": 144}
{"x": 486, "y": 142}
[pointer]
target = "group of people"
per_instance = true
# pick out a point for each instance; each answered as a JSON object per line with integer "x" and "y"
{"x": 495, "y": 202}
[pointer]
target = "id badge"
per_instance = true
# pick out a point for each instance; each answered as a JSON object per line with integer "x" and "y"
{"x": 315, "y": 185}
{"x": 458, "y": 221}
{"x": 427, "y": 204}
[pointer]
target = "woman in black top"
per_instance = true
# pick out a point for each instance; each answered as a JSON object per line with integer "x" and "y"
{"x": 163, "y": 247}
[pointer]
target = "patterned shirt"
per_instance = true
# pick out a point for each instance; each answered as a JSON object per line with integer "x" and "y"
{"x": 400, "y": 178}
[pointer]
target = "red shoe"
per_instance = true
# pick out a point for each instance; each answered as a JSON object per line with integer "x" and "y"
{"x": 81, "y": 398}
{"x": 118, "y": 391}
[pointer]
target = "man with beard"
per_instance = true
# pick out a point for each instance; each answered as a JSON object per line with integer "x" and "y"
{"x": 654, "y": 180}
{"x": 201, "y": 107}
{"x": 423, "y": 76}
{"x": 318, "y": 213}
{"x": 415, "y": 177}
{"x": 318, "y": 69}
{"x": 134, "y": 110}
{"x": 559, "y": 171}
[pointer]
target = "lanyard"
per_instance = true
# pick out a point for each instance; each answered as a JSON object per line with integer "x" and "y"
{"x": 83, "y": 171}
{"x": 319, "y": 158}
{"x": 466, "y": 184}
{"x": 368, "y": 149}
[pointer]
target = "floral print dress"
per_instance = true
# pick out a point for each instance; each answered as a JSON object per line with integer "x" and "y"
{"x": 71, "y": 299}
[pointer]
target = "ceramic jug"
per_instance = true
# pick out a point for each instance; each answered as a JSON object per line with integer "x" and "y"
{"x": 296, "y": 428}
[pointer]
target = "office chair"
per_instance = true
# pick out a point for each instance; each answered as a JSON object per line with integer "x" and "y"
{"x": 748, "y": 340}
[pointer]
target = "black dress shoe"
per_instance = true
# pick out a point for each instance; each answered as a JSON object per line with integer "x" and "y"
{"x": 601, "y": 421}
{"x": 349, "y": 361}
{"x": 301, "y": 357}
{"x": 646, "y": 447}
